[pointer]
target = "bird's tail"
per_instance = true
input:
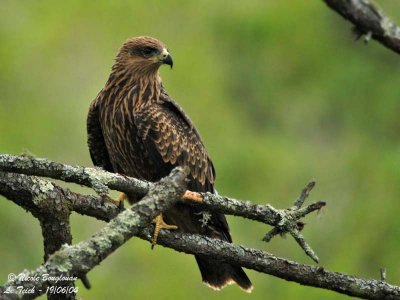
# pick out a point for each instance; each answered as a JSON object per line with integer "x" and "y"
{"x": 217, "y": 274}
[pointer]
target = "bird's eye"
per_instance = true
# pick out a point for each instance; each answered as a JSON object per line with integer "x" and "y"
{"x": 148, "y": 51}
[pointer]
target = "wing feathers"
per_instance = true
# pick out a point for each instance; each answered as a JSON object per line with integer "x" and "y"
{"x": 97, "y": 146}
{"x": 175, "y": 139}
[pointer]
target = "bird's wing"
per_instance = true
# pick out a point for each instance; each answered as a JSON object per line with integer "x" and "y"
{"x": 169, "y": 133}
{"x": 97, "y": 146}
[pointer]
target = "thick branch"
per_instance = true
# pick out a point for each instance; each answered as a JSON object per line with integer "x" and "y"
{"x": 286, "y": 221}
{"x": 279, "y": 267}
{"x": 85, "y": 255}
{"x": 40, "y": 196}
{"x": 46, "y": 201}
{"x": 79, "y": 259}
{"x": 97, "y": 179}
{"x": 369, "y": 20}
{"x": 38, "y": 166}
{"x": 57, "y": 232}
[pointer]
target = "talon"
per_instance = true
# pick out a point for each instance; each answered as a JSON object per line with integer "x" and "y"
{"x": 192, "y": 196}
{"x": 119, "y": 201}
{"x": 160, "y": 224}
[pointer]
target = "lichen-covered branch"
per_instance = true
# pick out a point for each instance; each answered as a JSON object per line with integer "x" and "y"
{"x": 79, "y": 259}
{"x": 40, "y": 196}
{"x": 285, "y": 221}
{"x": 267, "y": 263}
{"x": 369, "y": 20}
{"x": 87, "y": 176}
{"x": 94, "y": 178}
{"x": 47, "y": 202}
{"x": 56, "y": 232}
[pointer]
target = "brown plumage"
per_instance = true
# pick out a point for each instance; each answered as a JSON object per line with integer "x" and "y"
{"x": 136, "y": 129}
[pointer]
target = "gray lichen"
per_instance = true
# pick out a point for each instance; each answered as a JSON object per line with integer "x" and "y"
{"x": 99, "y": 181}
{"x": 40, "y": 189}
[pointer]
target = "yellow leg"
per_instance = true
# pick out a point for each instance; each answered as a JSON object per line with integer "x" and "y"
{"x": 192, "y": 196}
{"x": 160, "y": 224}
{"x": 120, "y": 200}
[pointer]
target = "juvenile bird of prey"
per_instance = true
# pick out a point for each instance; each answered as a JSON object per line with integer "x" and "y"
{"x": 135, "y": 128}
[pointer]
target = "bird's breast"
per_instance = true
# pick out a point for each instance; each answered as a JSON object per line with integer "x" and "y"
{"x": 127, "y": 152}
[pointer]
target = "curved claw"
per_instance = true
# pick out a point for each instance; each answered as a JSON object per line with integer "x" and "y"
{"x": 160, "y": 224}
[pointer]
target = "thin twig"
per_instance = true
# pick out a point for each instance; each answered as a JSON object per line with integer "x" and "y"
{"x": 383, "y": 274}
{"x": 290, "y": 221}
{"x": 304, "y": 245}
{"x": 369, "y": 20}
{"x": 304, "y": 194}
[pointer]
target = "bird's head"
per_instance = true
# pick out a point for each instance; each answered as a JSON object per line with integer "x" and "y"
{"x": 143, "y": 54}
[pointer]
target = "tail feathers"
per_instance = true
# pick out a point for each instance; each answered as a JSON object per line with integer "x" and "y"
{"x": 218, "y": 275}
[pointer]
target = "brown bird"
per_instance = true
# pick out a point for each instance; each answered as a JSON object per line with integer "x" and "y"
{"x": 135, "y": 128}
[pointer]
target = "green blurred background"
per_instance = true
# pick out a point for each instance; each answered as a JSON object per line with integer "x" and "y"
{"x": 280, "y": 93}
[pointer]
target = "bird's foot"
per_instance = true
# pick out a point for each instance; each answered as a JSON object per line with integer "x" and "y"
{"x": 119, "y": 201}
{"x": 160, "y": 224}
{"x": 192, "y": 196}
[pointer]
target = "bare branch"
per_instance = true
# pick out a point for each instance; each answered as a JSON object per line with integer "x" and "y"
{"x": 71, "y": 257}
{"x": 279, "y": 267}
{"x": 38, "y": 195}
{"x": 286, "y": 220}
{"x": 97, "y": 179}
{"x": 383, "y": 274}
{"x": 304, "y": 245}
{"x": 369, "y": 20}
{"x": 56, "y": 232}
{"x": 290, "y": 221}
{"x": 79, "y": 259}
{"x": 304, "y": 194}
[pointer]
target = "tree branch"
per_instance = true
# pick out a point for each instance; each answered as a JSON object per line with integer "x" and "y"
{"x": 56, "y": 231}
{"x": 97, "y": 179}
{"x": 79, "y": 259}
{"x": 46, "y": 202}
{"x": 369, "y": 20}
{"x": 269, "y": 264}
{"x": 37, "y": 195}
{"x": 285, "y": 220}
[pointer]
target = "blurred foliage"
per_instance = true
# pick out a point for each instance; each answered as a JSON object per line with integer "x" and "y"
{"x": 280, "y": 93}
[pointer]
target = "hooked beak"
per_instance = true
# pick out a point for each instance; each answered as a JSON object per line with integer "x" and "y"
{"x": 166, "y": 58}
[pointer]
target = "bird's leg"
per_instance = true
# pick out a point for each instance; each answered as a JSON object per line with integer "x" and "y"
{"x": 160, "y": 224}
{"x": 192, "y": 196}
